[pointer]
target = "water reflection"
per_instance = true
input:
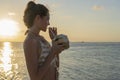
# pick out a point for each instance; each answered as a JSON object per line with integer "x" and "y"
{"x": 8, "y": 69}
{"x": 6, "y": 56}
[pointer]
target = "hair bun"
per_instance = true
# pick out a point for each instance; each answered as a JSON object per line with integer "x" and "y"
{"x": 31, "y": 4}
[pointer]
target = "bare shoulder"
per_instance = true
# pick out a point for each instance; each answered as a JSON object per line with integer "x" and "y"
{"x": 30, "y": 42}
{"x": 32, "y": 45}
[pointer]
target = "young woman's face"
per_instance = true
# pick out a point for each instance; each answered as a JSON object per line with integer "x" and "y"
{"x": 44, "y": 22}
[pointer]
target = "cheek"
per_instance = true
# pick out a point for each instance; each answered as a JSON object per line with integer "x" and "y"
{"x": 46, "y": 23}
{"x": 43, "y": 23}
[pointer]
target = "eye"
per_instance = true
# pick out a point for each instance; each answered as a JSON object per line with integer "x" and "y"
{"x": 48, "y": 17}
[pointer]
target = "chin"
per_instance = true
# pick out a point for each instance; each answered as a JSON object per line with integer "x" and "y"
{"x": 44, "y": 30}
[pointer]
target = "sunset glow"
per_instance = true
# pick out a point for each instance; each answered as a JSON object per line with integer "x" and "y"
{"x": 8, "y": 27}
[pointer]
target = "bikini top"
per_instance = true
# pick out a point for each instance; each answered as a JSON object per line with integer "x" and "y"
{"x": 45, "y": 51}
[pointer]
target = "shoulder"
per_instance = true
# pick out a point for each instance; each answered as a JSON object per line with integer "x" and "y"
{"x": 28, "y": 42}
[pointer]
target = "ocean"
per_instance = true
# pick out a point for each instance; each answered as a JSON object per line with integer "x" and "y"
{"x": 82, "y": 61}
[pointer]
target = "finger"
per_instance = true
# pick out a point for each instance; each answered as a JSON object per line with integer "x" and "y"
{"x": 56, "y": 31}
{"x": 61, "y": 47}
{"x": 49, "y": 28}
{"x": 55, "y": 28}
{"x": 52, "y": 28}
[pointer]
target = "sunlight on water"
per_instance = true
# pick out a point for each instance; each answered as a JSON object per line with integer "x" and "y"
{"x": 83, "y": 61}
{"x": 7, "y": 67}
{"x": 6, "y": 56}
{"x": 12, "y": 65}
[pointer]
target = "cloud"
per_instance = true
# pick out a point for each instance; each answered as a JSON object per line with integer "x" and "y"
{"x": 11, "y": 14}
{"x": 97, "y": 8}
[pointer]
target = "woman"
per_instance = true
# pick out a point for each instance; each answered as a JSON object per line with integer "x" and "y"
{"x": 42, "y": 60}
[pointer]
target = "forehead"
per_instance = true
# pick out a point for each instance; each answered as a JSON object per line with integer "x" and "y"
{"x": 48, "y": 15}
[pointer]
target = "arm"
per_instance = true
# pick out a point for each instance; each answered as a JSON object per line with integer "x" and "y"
{"x": 31, "y": 55}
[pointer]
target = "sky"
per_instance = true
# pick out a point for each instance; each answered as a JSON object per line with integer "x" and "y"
{"x": 80, "y": 20}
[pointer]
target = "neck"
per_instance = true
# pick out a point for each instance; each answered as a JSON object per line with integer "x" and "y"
{"x": 34, "y": 30}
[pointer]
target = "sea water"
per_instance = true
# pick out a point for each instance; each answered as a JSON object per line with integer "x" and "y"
{"x": 82, "y": 61}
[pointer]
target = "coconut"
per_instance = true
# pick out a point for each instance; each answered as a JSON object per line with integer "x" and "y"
{"x": 63, "y": 40}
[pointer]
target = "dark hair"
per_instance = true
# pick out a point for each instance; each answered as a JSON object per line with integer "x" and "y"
{"x": 31, "y": 11}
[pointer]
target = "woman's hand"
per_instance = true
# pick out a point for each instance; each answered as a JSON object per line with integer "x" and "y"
{"x": 52, "y": 32}
{"x": 56, "y": 48}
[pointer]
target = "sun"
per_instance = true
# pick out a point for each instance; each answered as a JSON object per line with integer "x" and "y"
{"x": 8, "y": 27}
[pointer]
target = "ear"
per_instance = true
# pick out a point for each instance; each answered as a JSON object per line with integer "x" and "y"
{"x": 37, "y": 18}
